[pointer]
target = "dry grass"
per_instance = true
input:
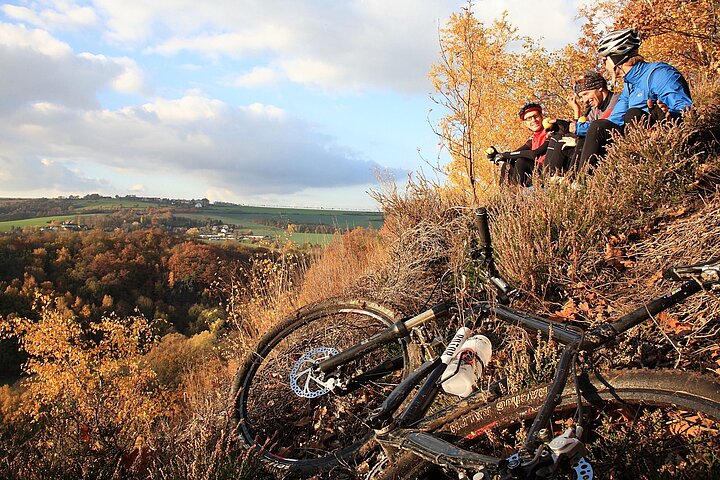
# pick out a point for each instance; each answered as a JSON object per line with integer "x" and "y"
{"x": 336, "y": 269}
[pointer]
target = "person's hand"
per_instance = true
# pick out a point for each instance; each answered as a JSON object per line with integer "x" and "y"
{"x": 658, "y": 104}
{"x": 575, "y": 103}
{"x": 568, "y": 142}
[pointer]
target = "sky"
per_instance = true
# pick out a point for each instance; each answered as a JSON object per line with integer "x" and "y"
{"x": 261, "y": 102}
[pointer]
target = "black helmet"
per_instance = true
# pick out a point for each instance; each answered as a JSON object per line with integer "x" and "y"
{"x": 619, "y": 45}
{"x": 529, "y": 107}
{"x": 590, "y": 80}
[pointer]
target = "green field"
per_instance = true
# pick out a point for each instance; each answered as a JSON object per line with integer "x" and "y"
{"x": 39, "y": 221}
{"x": 243, "y": 217}
{"x": 113, "y": 204}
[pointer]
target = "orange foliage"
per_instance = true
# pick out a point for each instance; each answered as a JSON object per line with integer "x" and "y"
{"x": 88, "y": 387}
{"x": 482, "y": 79}
{"x": 193, "y": 264}
{"x": 684, "y": 33}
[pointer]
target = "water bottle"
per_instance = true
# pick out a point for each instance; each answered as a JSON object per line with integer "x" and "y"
{"x": 454, "y": 345}
{"x": 466, "y": 367}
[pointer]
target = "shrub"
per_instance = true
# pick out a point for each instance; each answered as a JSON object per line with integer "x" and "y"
{"x": 88, "y": 396}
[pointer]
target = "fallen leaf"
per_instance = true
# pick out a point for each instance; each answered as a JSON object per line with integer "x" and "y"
{"x": 654, "y": 279}
{"x": 568, "y": 312}
{"x": 303, "y": 422}
{"x": 676, "y": 213}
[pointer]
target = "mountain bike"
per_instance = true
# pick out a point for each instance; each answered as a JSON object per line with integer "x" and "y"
{"x": 338, "y": 388}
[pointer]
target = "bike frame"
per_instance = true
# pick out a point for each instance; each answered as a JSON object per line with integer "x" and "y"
{"x": 431, "y": 371}
{"x": 394, "y": 431}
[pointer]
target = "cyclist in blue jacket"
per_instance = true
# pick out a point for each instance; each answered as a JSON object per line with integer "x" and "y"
{"x": 652, "y": 91}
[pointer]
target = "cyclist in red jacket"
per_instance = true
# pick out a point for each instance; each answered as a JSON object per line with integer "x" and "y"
{"x": 520, "y": 163}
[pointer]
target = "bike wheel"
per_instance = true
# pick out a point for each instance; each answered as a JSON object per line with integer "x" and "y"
{"x": 639, "y": 425}
{"x": 294, "y": 422}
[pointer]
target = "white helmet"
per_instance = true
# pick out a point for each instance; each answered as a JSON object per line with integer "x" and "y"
{"x": 619, "y": 45}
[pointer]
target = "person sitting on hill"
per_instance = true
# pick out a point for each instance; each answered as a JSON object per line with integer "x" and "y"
{"x": 520, "y": 163}
{"x": 652, "y": 92}
{"x": 591, "y": 100}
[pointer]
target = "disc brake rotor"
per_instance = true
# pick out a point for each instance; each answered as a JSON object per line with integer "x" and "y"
{"x": 302, "y": 376}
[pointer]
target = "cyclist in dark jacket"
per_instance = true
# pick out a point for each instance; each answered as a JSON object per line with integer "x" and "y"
{"x": 651, "y": 92}
{"x": 591, "y": 100}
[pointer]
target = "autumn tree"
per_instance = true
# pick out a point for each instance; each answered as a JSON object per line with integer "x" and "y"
{"x": 483, "y": 76}
{"x": 88, "y": 396}
{"x": 684, "y": 33}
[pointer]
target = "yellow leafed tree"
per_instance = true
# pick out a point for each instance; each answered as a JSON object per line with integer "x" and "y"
{"x": 684, "y": 33}
{"x": 483, "y": 76}
{"x": 89, "y": 393}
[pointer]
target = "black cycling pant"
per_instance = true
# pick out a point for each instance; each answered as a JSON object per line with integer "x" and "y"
{"x": 596, "y": 140}
{"x": 519, "y": 171}
{"x": 560, "y": 160}
{"x": 600, "y": 132}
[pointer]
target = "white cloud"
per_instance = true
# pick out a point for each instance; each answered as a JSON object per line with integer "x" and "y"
{"x": 131, "y": 79}
{"x": 349, "y": 45}
{"x": 267, "y": 111}
{"x": 257, "y": 77}
{"x": 190, "y": 108}
{"x": 27, "y": 175}
{"x": 553, "y": 21}
{"x": 256, "y": 149}
{"x": 315, "y": 72}
{"x": 63, "y": 16}
{"x": 355, "y": 44}
{"x": 266, "y": 37}
{"x": 36, "y": 67}
{"x": 40, "y": 41}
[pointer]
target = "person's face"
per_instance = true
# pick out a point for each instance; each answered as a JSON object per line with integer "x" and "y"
{"x": 533, "y": 120}
{"x": 609, "y": 67}
{"x": 592, "y": 97}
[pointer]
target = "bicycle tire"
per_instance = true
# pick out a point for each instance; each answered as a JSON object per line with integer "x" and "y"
{"x": 665, "y": 394}
{"x": 304, "y": 435}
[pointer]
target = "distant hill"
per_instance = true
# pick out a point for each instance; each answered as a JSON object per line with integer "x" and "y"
{"x": 301, "y": 225}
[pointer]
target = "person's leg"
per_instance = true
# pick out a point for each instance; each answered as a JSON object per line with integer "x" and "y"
{"x": 598, "y": 136}
{"x": 637, "y": 115}
{"x": 555, "y": 158}
{"x": 571, "y": 165}
{"x": 521, "y": 172}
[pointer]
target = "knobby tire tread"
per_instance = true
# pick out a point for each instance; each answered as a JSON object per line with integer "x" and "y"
{"x": 685, "y": 390}
{"x": 253, "y": 362}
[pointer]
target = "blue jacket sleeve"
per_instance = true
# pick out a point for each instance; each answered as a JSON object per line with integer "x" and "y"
{"x": 668, "y": 86}
{"x": 618, "y": 114}
{"x": 581, "y": 128}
